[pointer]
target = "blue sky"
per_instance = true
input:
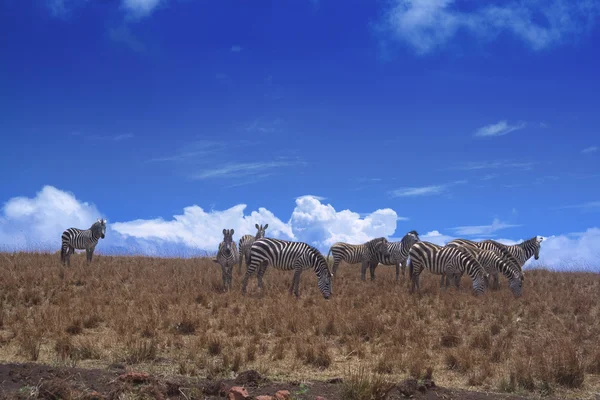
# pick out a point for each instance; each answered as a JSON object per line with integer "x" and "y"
{"x": 454, "y": 118}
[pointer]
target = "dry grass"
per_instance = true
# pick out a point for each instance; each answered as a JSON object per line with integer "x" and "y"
{"x": 169, "y": 316}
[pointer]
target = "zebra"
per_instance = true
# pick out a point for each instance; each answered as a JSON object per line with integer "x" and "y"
{"x": 492, "y": 262}
{"x": 358, "y": 253}
{"x": 286, "y": 255}
{"x": 246, "y": 242}
{"x": 501, "y": 251}
{"x": 398, "y": 254}
{"x": 227, "y": 257}
{"x": 74, "y": 238}
{"x": 521, "y": 251}
{"x": 439, "y": 259}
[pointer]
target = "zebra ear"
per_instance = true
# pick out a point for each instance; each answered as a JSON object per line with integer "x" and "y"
{"x": 256, "y": 226}
{"x": 266, "y": 226}
{"x": 232, "y": 232}
{"x": 224, "y": 231}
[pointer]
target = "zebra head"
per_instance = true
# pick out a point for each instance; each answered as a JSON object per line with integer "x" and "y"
{"x": 515, "y": 284}
{"x": 260, "y": 230}
{"x": 411, "y": 238}
{"x": 380, "y": 245}
{"x": 414, "y": 235}
{"x": 538, "y": 245}
{"x": 228, "y": 240}
{"x": 99, "y": 228}
{"x": 325, "y": 278}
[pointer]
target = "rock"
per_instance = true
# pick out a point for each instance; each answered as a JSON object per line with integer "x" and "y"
{"x": 249, "y": 378}
{"x": 408, "y": 387}
{"x": 282, "y": 395}
{"x": 237, "y": 393}
{"x": 263, "y": 397}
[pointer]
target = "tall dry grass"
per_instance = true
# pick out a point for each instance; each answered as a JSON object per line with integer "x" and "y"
{"x": 170, "y": 316}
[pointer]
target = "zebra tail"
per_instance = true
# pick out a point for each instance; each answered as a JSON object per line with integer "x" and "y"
{"x": 410, "y": 267}
{"x": 62, "y": 253}
{"x": 328, "y": 253}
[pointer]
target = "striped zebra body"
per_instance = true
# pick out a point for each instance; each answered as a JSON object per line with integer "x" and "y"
{"x": 501, "y": 251}
{"x": 521, "y": 252}
{"x": 227, "y": 257}
{"x": 358, "y": 253}
{"x": 439, "y": 259}
{"x": 398, "y": 254}
{"x": 246, "y": 242}
{"x": 74, "y": 238}
{"x": 492, "y": 262}
{"x": 286, "y": 255}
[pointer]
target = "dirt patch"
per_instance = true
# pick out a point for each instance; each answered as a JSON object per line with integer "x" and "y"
{"x": 29, "y": 380}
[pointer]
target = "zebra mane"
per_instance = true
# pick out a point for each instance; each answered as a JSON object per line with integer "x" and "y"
{"x": 376, "y": 240}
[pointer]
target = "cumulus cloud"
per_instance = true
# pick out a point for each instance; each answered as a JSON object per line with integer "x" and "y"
{"x": 498, "y": 129}
{"x": 429, "y": 24}
{"x": 37, "y": 223}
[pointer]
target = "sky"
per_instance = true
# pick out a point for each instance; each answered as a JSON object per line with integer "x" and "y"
{"x": 328, "y": 120}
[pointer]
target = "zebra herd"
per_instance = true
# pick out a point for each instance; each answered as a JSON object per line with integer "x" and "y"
{"x": 480, "y": 260}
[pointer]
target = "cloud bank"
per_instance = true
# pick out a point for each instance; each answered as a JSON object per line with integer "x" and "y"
{"x": 426, "y": 25}
{"x": 36, "y": 223}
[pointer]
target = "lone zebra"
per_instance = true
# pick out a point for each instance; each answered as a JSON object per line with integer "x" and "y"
{"x": 227, "y": 257}
{"x": 501, "y": 251}
{"x": 492, "y": 262}
{"x": 438, "y": 260}
{"x": 74, "y": 238}
{"x": 246, "y": 242}
{"x": 358, "y": 253}
{"x": 398, "y": 254}
{"x": 286, "y": 255}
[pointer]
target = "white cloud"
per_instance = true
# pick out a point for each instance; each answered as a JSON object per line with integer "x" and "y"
{"x": 429, "y": 24}
{"x": 496, "y": 225}
{"x": 236, "y": 49}
{"x": 37, "y": 223}
{"x": 140, "y": 8}
{"x": 591, "y": 149}
{"x": 424, "y": 190}
{"x": 500, "y": 164}
{"x": 498, "y": 129}
{"x": 589, "y": 206}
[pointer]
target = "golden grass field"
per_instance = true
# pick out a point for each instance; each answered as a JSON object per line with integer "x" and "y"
{"x": 170, "y": 317}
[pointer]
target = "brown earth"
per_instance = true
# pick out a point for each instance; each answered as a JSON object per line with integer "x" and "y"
{"x": 169, "y": 318}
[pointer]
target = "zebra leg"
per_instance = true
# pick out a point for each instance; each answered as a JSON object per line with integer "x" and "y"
{"x": 89, "y": 254}
{"x": 261, "y": 271}
{"x": 296, "y": 282}
{"x": 335, "y": 266}
{"x": 372, "y": 266}
{"x": 70, "y": 251}
{"x": 398, "y": 271}
{"x": 363, "y": 270}
{"x": 403, "y": 269}
{"x": 496, "y": 282}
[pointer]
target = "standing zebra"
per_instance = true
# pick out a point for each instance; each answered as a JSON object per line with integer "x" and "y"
{"x": 398, "y": 254}
{"x": 80, "y": 239}
{"x": 521, "y": 251}
{"x": 227, "y": 257}
{"x": 286, "y": 255}
{"x": 359, "y": 253}
{"x": 246, "y": 242}
{"x": 500, "y": 251}
{"x": 492, "y": 262}
{"x": 438, "y": 260}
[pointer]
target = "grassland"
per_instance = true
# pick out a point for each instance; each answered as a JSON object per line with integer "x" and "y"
{"x": 169, "y": 317}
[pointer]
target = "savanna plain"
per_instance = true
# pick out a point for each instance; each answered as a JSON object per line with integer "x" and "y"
{"x": 85, "y": 331}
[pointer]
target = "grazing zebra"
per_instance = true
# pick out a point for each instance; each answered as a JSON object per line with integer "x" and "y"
{"x": 359, "y": 253}
{"x": 227, "y": 257}
{"x": 286, "y": 255}
{"x": 501, "y": 251}
{"x": 246, "y": 242}
{"x": 492, "y": 262}
{"x": 521, "y": 251}
{"x": 438, "y": 260}
{"x": 398, "y": 254}
{"x": 80, "y": 239}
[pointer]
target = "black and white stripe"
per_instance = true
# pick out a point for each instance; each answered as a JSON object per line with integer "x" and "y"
{"x": 439, "y": 259}
{"x": 74, "y": 238}
{"x": 398, "y": 254}
{"x": 287, "y": 256}
{"x": 492, "y": 262}
{"x": 246, "y": 242}
{"x": 358, "y": 253}
{"x": 227, "y": 257}
{"x": 489, "y": 245}
{"x": 521, "y": 252}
